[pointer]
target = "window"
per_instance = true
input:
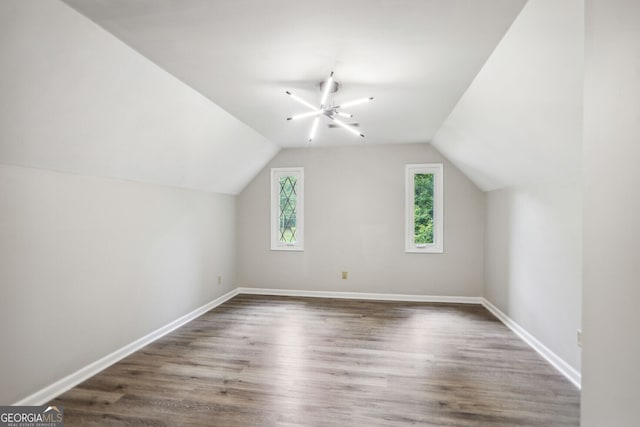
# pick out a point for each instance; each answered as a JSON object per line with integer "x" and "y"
{"x": 287, "y": 221}
{"x": 424, "y": 208}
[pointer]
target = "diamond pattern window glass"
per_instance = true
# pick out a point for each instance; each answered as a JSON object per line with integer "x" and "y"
{"x": 424, "y": 208}
{"x": 287, "y": 222}
{"x": 288, "y": 209}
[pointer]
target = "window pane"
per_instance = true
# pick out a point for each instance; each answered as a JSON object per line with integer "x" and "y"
{"x": 288, "y": 209}
{"x": 423, "y": 209}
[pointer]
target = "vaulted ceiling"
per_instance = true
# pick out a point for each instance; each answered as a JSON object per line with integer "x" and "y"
{"x": 416, "y": 57}
{"x": 520, "y": 121}
{"x": 191, "y": 93}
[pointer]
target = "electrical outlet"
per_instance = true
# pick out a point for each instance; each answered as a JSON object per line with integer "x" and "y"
{"x": 345, "y": 275}
{"x": 579, "y": 336}
{"x": 219, "y": 280}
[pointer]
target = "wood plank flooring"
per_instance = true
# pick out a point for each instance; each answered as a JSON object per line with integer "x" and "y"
{"x": 282, "y": 361}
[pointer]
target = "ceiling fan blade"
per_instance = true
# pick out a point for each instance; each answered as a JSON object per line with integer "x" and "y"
{"x": 346, "y": 126}
{"x": 343, "y": 114}
{"x": 335, "y": 126}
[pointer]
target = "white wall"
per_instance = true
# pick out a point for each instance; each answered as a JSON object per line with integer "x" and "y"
{"x": 88, "y": 265}
{"x": 517, "y": 133}
{"x": 76, "y": 99}
{"x": 354, "y": 221}
{"x": 89, "y": 260}
{"x": 533, "y": 249}
{"x": 611, "y": 214}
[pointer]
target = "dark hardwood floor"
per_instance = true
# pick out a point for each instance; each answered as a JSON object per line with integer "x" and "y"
{"x": 282, "y": 361}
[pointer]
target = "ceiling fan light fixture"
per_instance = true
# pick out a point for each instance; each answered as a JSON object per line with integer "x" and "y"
{"x": 314, "y": 128}
{"x": 346, "y": 126}
{"x": 302, "y": 101}
{"x": 326, "y": 87}
{"x": 356, "y": 102}
{"x": 305, "y": 115}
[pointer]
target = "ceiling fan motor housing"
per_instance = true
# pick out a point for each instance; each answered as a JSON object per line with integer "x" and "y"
{"x": 334, "y": 86}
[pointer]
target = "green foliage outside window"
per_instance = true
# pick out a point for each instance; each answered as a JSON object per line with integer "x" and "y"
{"x": 423, "y": 209}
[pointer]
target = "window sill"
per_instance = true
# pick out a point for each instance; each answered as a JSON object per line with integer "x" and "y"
{"x": 428, "y": 250}
{"x": 288, "y": 248}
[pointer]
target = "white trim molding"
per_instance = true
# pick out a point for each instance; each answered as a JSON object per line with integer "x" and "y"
{"x": 276, "y": 209}
{"x": 411, "y": 170}
{"x": 54, "y": 390}
{"x": 563, "y": 367}
{"x": 361, "y": 295}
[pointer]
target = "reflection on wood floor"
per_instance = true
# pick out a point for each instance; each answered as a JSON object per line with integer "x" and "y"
{"x": 283, "y": 361}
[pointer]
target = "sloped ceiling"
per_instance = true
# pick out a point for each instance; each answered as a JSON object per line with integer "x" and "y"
{"x": 207, "y": 110}
{"x": 416, "y": 57}
{"x": 76, "y": 99}
{"x": 520, "y": 121}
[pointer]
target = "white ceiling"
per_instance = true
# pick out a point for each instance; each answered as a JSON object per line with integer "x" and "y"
{"x": 520, "y": 121}
{"x": 416, "y": 57}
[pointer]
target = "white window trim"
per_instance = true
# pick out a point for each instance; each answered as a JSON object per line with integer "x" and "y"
{"x": 276, "y": 244}
{"x": 438, "y": 209}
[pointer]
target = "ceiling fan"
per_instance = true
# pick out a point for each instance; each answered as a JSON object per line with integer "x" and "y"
{"x": 328, "y": 111}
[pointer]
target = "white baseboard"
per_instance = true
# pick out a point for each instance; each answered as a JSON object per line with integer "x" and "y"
{"x": 565, "y": 369}
{"x": 361, "y": 295}
{"x": 52, "y": 391}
